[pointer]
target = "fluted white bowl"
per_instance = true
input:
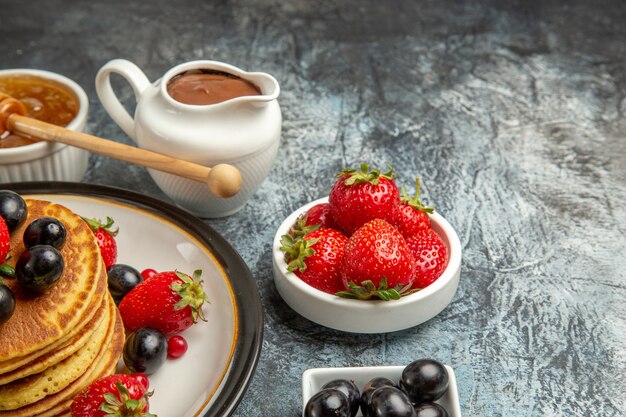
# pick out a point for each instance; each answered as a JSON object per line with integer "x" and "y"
{"x": 195, "y": 196}
{"x": 368, "y": 316}
{"x": 46, "y": 161}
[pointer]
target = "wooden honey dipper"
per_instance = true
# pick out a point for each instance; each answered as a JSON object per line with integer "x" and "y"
{"x": 223, "y": 180}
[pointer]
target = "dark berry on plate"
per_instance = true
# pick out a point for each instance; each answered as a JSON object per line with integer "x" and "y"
{"x": 390, "y": 402}
{"x": 424, "y": 380}
{"x": 145, "y": 350}
{"x": 369, "y": 388}
{"x": 7, "y": 302}
{"x": 350, "y": 389}
{"x": 39, "y": 268}
{"x": 12, "y": 209}
{"x": 176, "y": 346}
{"x": 328, "y": 403}
{"x": 45, "y": 231}
{"x": 430, "y": 410}
{"x": 122, "y": 278}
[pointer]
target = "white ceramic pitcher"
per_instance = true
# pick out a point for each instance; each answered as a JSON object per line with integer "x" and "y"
{"x": 243, "y": 131}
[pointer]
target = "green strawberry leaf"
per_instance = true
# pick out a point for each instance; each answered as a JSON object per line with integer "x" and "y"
{"x": 7, "y": 271}
{"x": 368, "y": 291}
{"x": 414, "y": 201}
{"x": 96, "y": 224}
{"x": 191, "y": 294}
{"x": 296, "y": 251}
{"x": 124, "y": 406}
{"x": 366, "y": 175}
{"x": 300, "y": 228}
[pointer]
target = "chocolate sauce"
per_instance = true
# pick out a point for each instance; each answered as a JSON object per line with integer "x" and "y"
{"x": 202, "y": 87}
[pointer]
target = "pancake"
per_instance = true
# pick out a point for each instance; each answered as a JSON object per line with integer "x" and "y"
{"x": 39, "y": 363}
{"x": 19, "y": 361}
{"x": 43, "y": 320}
{"x": 106, "y": 368}
{"x": 105, "y": 363}
{"x": 53, "y": 379}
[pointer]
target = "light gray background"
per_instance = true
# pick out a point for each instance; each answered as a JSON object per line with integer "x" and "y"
{"x": 512, "y": 113}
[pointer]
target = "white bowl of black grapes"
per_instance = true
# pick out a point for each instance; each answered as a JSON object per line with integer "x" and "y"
{"x": 423, "y": 388}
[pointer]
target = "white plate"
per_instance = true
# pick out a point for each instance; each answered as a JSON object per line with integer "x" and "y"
{"x": 313, "y": 380}
{"x": 210, "y": 379}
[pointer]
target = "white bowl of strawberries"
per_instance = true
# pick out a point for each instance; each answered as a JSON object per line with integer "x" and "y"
{"x": 366, "y": 259}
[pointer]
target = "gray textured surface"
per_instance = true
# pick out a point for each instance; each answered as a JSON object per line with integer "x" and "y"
{"x": 511, "y": 112}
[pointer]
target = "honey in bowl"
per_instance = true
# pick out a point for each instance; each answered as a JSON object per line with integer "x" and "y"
{"x": 202, "y": 87}
{"x": 45, "y": 100}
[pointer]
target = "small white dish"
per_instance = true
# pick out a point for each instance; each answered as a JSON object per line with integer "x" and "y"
{"x": 313, "y": 380}
{"x": 372, "y": 316}
{"x": 47, "y": 161}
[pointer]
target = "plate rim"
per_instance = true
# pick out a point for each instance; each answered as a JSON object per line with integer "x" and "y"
{"x": 247, "y": 351}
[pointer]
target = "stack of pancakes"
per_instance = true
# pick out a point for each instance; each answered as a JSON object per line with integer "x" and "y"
{"x": 57, "y": 343}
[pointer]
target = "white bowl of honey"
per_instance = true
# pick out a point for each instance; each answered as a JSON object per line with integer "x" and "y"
{"x": 52, "y": 98}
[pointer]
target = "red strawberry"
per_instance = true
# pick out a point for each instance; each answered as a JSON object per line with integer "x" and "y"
{"x": 320, "y": 214}
{"x": 431, "y": 256}
{"x": 105, "y": 237}
{"x": 5, "y": 246}
{"x": 5, "y": 240}
{"x": 360, "y": 196}
{"x": 377, "y": 263}
{"x": 169, "y": 302}
{"x": 315, "y": 258}
{"x": 113, "y": 395}
{"x": 411, "y": 215}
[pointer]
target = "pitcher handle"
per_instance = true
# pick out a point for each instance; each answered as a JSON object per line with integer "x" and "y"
{"x": 137, "y": 80}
